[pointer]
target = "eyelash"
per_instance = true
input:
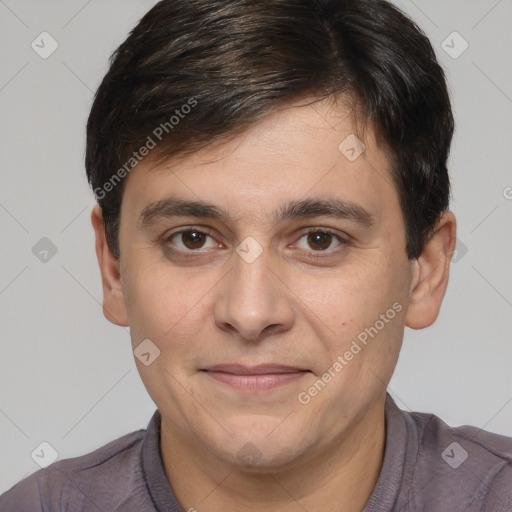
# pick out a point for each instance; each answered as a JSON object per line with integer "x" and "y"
{"x": 317, "y": 254}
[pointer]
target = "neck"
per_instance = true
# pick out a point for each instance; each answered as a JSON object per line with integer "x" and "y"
{"x": 341, "y": 477}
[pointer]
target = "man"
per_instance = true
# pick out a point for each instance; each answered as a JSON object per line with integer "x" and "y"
{"x": 272, "y": 212}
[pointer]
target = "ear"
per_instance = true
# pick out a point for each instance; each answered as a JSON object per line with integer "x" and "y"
{"x": 114, "y": 307}
{"x": 431, "y": 274}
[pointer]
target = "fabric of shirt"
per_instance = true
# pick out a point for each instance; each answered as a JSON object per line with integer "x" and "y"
{"x": 428, "y": 466}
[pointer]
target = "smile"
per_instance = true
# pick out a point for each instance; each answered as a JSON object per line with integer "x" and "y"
{"x": 257, "y": 378}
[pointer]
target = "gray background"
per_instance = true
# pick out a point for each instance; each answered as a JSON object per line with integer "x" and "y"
{"x": 67, "y": 376}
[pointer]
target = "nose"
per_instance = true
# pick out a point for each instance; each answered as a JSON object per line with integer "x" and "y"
{"x": 254, "y": 302}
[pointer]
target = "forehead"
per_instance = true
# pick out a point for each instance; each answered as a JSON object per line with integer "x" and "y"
{"x": 300, "y": 149}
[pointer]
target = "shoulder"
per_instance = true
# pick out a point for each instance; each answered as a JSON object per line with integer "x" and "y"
{"x": 104, "y": 476}
{"x": 465, "y": 465}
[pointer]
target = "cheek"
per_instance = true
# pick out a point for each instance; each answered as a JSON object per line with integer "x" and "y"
{"x": 350, "y": 302}
{"x": 164, "y": 304}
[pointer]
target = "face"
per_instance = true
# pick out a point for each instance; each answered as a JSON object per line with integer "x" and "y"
{"x": 278, "y": 299}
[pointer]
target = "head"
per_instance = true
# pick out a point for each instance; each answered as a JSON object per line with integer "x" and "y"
{"x": 272, "y": 190}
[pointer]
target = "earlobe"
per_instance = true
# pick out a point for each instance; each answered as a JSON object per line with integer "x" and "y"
{"x": 430, "y": 276}
{"x": 114, "y": 306}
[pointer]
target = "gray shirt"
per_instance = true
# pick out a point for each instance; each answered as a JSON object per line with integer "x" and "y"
{"x": 428, "y": 466}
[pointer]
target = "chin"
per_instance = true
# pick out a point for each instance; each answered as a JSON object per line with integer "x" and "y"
{"x": 258, "y": 452}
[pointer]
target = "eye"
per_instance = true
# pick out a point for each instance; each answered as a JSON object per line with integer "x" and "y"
{"x": 320, "y": 240}
{"x": 193, "y": 240}
{"x": 190, "y": 240}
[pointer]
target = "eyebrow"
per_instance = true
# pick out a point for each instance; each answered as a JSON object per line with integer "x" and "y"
{"x": 307, "y": 208}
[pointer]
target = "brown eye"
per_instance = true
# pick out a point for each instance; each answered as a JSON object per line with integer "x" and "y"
{"x": 193, "y": 239}
{"x": 319, "y": 240}
{"x": 190, "y": 240}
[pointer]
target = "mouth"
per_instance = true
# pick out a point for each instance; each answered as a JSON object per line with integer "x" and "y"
{"x": 254, "y": 378}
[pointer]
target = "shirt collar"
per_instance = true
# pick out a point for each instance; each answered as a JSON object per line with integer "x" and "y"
{"x": 395, "y": 465}
{"x": 153, "y": 469}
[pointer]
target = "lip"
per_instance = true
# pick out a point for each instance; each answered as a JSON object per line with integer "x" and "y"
{"x": 254, "y": 378}
{"x": 260, "y": 369}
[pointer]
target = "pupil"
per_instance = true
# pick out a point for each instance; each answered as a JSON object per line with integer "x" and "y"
{"x": 321, "y": 240}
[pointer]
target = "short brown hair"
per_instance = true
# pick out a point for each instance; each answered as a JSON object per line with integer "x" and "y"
{"x": 196, "y": 71}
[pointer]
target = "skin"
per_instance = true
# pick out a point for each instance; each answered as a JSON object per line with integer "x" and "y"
{"x": 291, "y": 306}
